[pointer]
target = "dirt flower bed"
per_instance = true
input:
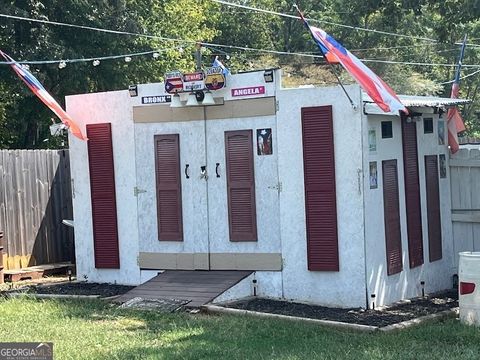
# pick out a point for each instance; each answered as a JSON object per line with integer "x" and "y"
{"x": 72, "y": 288}
{"x": 396, "y": 313}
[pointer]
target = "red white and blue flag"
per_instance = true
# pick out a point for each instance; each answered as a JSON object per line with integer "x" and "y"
{"x": 455, "y": 123}
{"x": 173, "y": 82}
{"x": 174, "y": 85}
{"x": 218, "y": 63}
{"x": 370, "y": 82}
{"x": 38, "y": 89}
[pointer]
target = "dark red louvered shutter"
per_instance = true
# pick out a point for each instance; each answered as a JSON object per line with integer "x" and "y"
{"x": 412, "y": 193}
{"x": 320, "y": 192}
{"x": 433, "y": 208}
{"x": 391, "y": 213}
{"x": 242, "y": 213}
{"x": 169, "y": 188}
{"x": 102, "y": 188}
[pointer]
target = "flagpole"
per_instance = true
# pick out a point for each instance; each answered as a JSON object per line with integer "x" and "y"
{"x": 455, "y": 124}
{"x": 354, "y": 106}
{"x": 460, "y": 60}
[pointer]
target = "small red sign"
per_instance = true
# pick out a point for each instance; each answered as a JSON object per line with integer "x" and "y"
{"x": 193, "y": 76}
{"x": 249, "y": 91}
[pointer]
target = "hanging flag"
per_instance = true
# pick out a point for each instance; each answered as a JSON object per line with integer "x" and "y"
{"x": 38, "y": 89}
{"x": 455, "y": 123}
{"x": 372, "y": 84}
{"x": 218, "y": 63}
{"x": 328, "y": 55}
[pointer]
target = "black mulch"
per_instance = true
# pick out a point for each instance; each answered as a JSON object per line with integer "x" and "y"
{"x": 394, "y": 314}
{"x": 75, "y": 288}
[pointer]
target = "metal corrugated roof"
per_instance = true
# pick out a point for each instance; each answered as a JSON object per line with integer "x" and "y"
{"x": 430, "y": 101}
{"x": 427, "y": 101}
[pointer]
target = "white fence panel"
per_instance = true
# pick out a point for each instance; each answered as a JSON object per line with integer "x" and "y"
{"x": 465, "y": 190}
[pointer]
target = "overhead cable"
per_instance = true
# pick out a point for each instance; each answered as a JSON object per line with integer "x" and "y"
{"x": 206, "y": 44}
{"x": 357, "y": 28}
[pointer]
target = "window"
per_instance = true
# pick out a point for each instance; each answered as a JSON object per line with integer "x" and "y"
{"x": 428, "y": 126}
{"x": 387, "y": 131}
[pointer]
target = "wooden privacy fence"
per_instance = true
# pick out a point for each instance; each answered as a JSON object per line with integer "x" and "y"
{"x": 465, "y": 189}
{"x": 35, "y": 197}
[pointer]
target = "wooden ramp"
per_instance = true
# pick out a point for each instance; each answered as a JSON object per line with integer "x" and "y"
{"x": 198, "y": 287}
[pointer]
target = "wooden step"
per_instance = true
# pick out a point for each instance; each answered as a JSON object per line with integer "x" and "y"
{"x": 22, "y": 274}
{"x": 198, "y": 287}
{"x": 36, "y": 272}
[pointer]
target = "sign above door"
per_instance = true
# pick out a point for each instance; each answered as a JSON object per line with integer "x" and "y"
{"x": 194, "y": 81}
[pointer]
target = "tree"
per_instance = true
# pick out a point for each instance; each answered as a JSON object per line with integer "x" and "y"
{"x": 25, "y": 118}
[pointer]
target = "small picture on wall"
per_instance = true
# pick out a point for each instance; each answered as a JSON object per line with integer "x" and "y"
{"x": 443, "y": 166}
{"x": 372, "y": 140}
{"x": 373, "y": 175}
{"x": 441, "y": 132}
{"x": 264, "y": 142}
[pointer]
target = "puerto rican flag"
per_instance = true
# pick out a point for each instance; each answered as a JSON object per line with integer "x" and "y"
{"x": 174, "y": 85}
{"x": 370, "y": 82}
{"x": 455, "y": 123}
{"x": 38, "y": 89}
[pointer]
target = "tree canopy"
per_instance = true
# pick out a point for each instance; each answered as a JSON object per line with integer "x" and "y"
{"x": 427, "y": 31}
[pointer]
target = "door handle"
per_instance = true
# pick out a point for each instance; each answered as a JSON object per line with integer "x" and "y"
{"x": 216, "y": 170}
{"x": 186, "y": 171}
{"x": 203, "y": 173}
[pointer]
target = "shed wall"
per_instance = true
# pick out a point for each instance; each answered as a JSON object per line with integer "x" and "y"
{"x": 114, "y": 107}
{"x": 345, "y": 287}
{"x": 436, "y": 275}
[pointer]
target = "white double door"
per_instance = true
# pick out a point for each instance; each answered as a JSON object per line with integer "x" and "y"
{"x": 204, "y": 182}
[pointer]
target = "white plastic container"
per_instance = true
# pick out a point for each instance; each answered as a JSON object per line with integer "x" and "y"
{"x": 469, "y": 287}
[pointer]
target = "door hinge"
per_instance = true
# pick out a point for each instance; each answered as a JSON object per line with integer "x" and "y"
{"x": 73, "y": 188}
{"x": 277, "y": 187}
{"x": 137, "y": 191}
{"x": 277, "y": 105}
{"x": 359, "y": 181}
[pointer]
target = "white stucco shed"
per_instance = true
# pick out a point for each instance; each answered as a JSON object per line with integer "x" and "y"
{"x": 294, "y": 184}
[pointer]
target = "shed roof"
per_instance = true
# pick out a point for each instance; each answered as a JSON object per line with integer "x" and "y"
{"x": 425, "y": 101}
{"x": 430, "y": 101}
{"x": 410, "y": 101}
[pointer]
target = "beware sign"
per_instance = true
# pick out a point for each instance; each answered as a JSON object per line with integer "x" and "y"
{"x": 193, "y": 81}
{"x": 215, "y": 79}
{"x": 249, "y": 91}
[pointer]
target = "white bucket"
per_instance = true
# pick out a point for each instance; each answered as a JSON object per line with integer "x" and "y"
{"x": 469, "y": 287}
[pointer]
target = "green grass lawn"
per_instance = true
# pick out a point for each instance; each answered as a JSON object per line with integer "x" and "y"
{"x": 92, "y": 329}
